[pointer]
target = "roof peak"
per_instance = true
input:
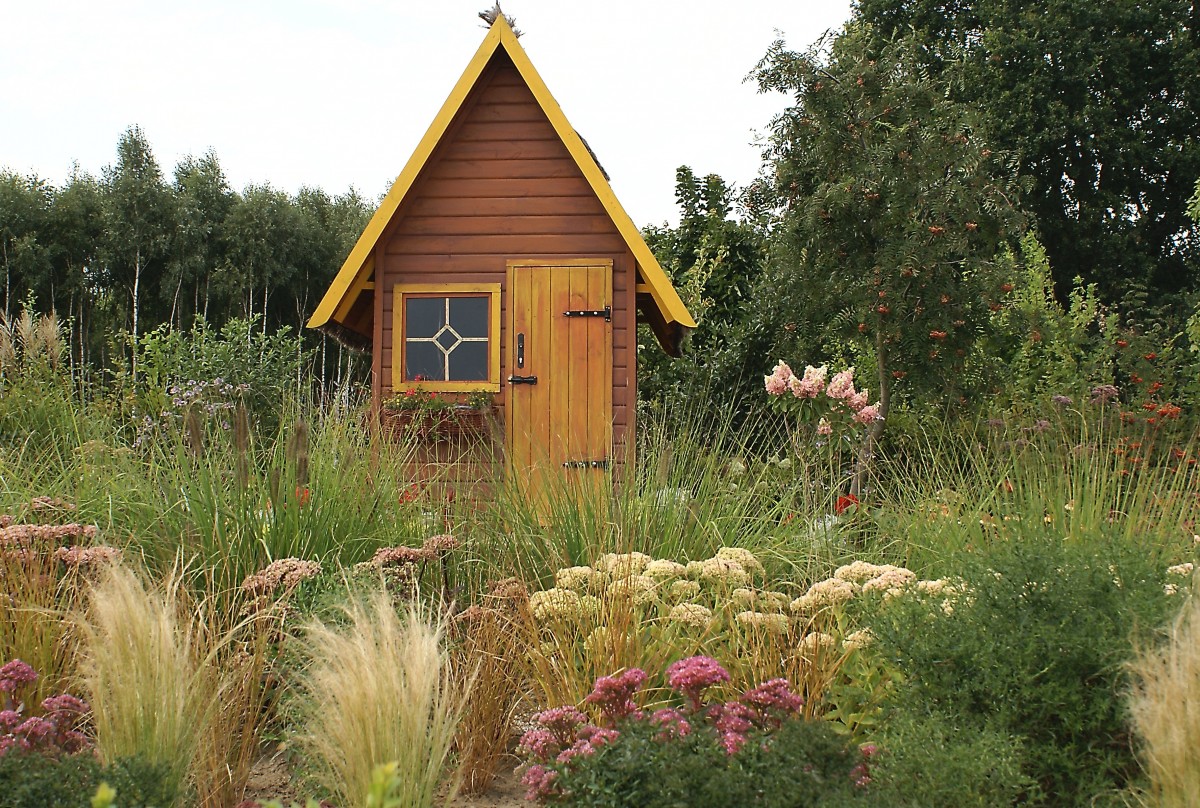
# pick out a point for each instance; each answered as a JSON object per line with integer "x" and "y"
{"x": 493, "y": 14}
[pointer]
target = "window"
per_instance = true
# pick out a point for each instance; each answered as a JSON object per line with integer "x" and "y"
{"x": 446, "y": 337}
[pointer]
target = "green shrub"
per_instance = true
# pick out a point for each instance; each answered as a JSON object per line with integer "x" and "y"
{"x": 38, "y": 781}
{"x": 929, "y": 761}
{"x": 1033, "y": 646}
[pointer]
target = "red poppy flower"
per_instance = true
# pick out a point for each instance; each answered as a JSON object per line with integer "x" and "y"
{"x": 844, "y": 502}
{"x": 302, "y": 495}
{"x": 1122, "y": 343}
{"x": 1151, "y": 356}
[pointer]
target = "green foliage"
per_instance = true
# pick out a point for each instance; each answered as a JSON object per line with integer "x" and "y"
{"x": 1033, "y": 647}
{"x": 38, "y": 781}
{"x": 1035, "y": 344}
{"x": 803, "y": 763}
{"x": 241, "y": 354}
{"x": 1098, "y": 102}
{"x": 929, "y": 761}
{"x": 714, "y": 260}
{"x": 893, "y": 208}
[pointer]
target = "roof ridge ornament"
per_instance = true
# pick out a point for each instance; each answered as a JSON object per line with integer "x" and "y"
{"x": 494, "y": 13}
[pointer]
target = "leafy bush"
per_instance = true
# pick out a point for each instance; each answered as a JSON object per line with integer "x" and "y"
{"x": 1033, "y": 646}
{"x": 752, "y": 750}
{"x": 929, "y": 761}
{"x": 38, "y": 781}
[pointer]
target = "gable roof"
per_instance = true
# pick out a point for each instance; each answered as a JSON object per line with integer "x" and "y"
{"x": 669, "y": 317}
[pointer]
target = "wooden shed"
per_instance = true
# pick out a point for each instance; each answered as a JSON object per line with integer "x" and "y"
{"x": 500, "y": 262}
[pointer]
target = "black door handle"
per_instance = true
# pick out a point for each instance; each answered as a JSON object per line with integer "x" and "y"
{"x": 520, "y": 350}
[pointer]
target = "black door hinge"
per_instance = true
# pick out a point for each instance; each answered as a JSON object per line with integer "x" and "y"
{"x": 605, "y": 312}
{"x": 586, "y": 464}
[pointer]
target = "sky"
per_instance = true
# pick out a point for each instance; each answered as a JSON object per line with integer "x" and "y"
{"x": 337, "y": 93}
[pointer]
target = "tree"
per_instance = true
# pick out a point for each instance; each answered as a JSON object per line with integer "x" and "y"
{"x": 714, "y": 257}
{"x": 203, "y": 202}
{"x": 77, "y": 233}
{"x": 138, "y": 216}
{"x": 1099, "y": 100}
{"x": 893, "y": 215}
{"x": 24, "y": 251}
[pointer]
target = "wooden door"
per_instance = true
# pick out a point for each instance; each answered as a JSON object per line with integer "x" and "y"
{"x": 559, "y": 371}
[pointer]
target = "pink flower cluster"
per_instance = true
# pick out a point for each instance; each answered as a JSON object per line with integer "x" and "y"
{"x": 57, "y": 731}
{"x": 694, "y": 675}
{"x": 614, "y": 694}
{"x": 839, "y": 390}
{"x": 563, "y": 735}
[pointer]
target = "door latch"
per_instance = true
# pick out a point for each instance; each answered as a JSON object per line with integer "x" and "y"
{"x": 522, "y": 379}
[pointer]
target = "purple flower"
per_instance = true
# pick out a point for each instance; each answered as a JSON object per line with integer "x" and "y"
{"x": 1104, "y": 393}
{"x": 1062, "y": 401}
{"x": 692, "y": 676}
{"x": 14, "y": 674}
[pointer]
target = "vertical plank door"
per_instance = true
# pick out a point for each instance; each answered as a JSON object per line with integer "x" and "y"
{"x": 559, "y": 413}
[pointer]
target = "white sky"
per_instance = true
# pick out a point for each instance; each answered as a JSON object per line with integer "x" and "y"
{"x": 337, "y": 93}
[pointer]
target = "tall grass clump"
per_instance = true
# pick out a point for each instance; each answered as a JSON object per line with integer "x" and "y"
{"x": 143, "y": 667}
{"x": 694, "y": 484}
{"x": 1165, "y": 707}
{"x": 378, "y": 689}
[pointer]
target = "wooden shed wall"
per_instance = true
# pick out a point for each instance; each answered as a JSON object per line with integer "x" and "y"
{"x": 501, "y": 185}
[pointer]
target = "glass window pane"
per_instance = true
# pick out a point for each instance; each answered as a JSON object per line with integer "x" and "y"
{"x": 424, "y": 359}
{"x": 469, "y": 315}
{"x": 424, "y": 316}
{"x": 469, "y": 362}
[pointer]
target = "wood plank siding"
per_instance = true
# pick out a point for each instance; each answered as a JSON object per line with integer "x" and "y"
{"x": 501, "y": 185}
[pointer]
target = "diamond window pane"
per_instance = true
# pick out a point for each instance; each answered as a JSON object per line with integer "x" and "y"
{"x": 424, "y": 316}
{"x": 424, "y": 361}
{"x": 469, "y": 362}
{"x": 469, "y": 315}
{"x": 447, "y": 339}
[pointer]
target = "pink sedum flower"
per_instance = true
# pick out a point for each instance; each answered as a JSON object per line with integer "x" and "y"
{"x": 539, "y": 783}
{"x": 14, "y": 674}
{"x": 694, "y": 675}
{"x": 613, "y": 694}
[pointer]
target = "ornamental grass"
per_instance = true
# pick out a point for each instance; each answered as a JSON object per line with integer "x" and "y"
{"x": 1165, "y": 709}
{"x": 379, "y": 688}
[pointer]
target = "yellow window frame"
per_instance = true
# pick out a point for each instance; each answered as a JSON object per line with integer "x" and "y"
{"x": 401, "y": 290}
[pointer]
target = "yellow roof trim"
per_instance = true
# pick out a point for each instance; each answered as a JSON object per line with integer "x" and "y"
{"x": 500, "y": 35}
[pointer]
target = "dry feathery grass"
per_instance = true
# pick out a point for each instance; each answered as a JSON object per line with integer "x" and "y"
{"x": 1165, "y": 708}
{"x": 379, "y": 690}
{"x": 484, "y": 655}
{"x": 146, "y": 668}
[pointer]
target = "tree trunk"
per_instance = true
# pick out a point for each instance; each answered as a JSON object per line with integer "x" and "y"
{"x": 137, "y": 282}
{"x": 866, "y": 452}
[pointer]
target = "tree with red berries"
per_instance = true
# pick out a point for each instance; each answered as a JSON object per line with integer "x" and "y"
{"x": 895, "y": 216}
